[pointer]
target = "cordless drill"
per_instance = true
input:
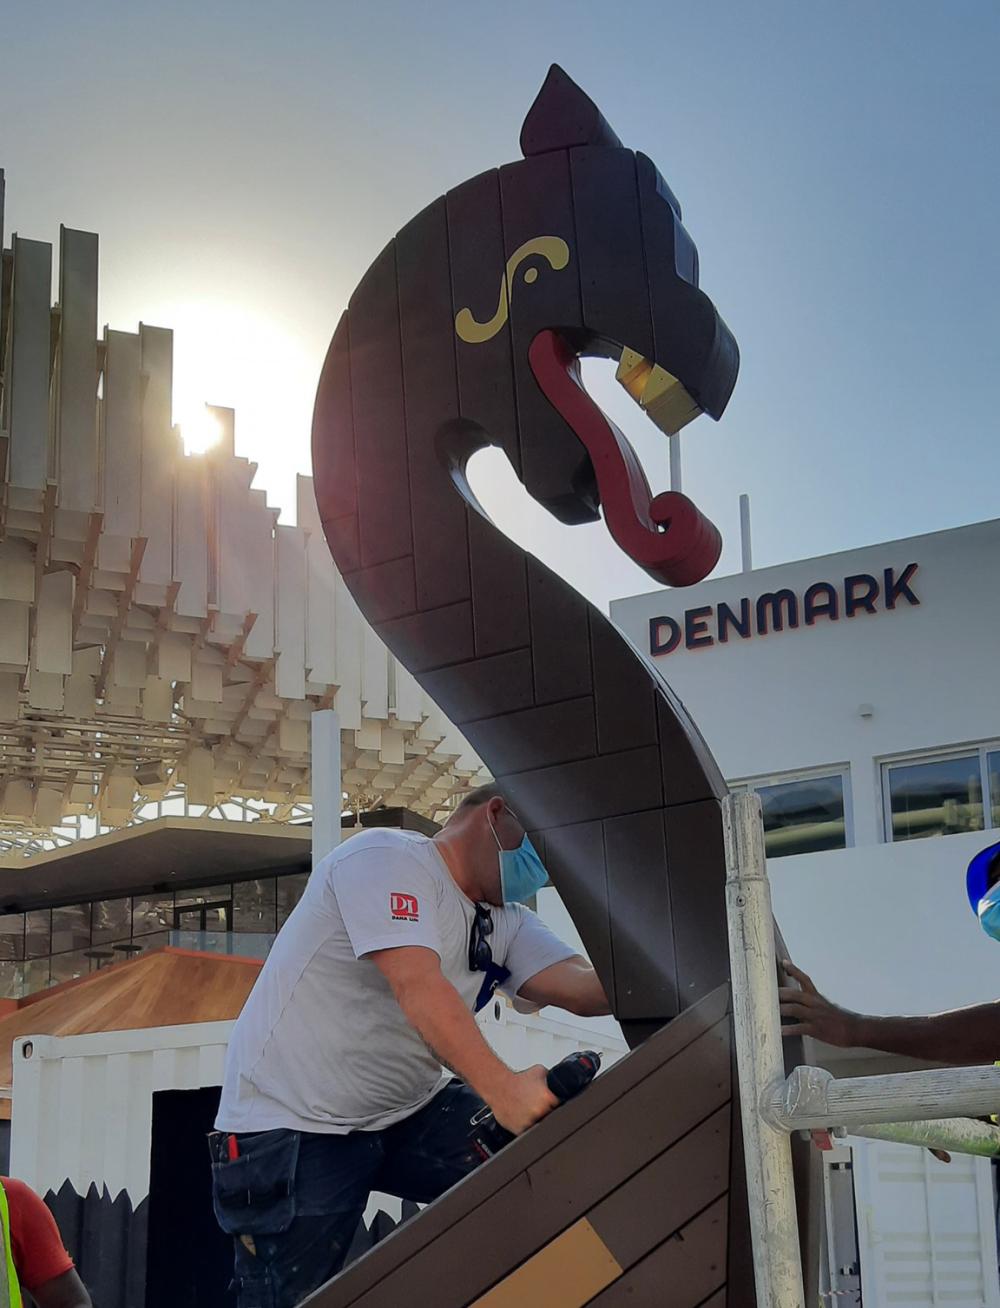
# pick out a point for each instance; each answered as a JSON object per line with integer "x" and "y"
{"x": 564, "y": 1080}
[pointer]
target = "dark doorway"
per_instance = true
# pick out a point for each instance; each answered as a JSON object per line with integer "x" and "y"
{"x": 188, "y": 1260}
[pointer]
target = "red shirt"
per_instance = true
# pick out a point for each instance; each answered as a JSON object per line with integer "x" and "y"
{"x": 36, "y": 1244}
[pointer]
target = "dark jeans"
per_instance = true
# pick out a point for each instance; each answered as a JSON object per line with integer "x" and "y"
{"x": 293, "y": 1199}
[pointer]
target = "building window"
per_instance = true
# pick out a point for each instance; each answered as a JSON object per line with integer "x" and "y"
{"x": 943, "y": 795}
{"x": 803, "y": 814}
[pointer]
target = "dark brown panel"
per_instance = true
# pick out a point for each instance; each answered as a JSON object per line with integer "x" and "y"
{"x": 536, "y": 738}
{"x": 565, "y": 1184}
{"x": 574, "y": 856}
{"x": 432, "y": 639}
{"x": 683, "y": 1180}
{"x": 593, "y": 788}
{"x": 560, "y": 645}
{"x": 499, "y": 589}
{"x": 385, "y": 591}
{"x": 430, "y": 394}
{"x": 739, "y": 1269}
{"x": 697, "y": 861}
{"x": 613, "y": 284}
{"x": 333, "y": 431}
{"x": 537, "y": 202}
{"x": 692, "y": 1263}
{"x": 623, "y": 690}
{"x": 345, "y": 546}
{"x": 466, "y": 691}
{"x": 485, "y": 368}
{"x": 689, "y": 770}
{"x": 642, "y": 921}
{"x": 379, "y": 426}
{"x": 613, "y": 1088}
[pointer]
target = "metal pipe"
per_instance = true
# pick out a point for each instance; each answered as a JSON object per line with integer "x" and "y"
{"x": 746, "y": 552}
{"x": 773, "y": 1222}
{"x": 811, "y": 1097}
{"x": 957, "y": 1135}
{"x": 674, "y": 443}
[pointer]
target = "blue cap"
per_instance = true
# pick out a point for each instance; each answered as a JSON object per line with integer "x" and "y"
{"x": 977, "y": 879}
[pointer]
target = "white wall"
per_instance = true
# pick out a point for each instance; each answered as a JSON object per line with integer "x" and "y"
{"x": 790, "y": 700}
{"x": 884, "y": 928}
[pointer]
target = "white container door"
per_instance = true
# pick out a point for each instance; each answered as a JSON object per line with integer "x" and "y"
{"x": 926, "y": 1229}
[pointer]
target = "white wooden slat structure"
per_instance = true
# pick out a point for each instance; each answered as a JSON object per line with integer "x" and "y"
{"x": 158, "y": 626}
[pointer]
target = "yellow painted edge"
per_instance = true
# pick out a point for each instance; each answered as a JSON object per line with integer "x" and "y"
{"x": 566, "y": 1273}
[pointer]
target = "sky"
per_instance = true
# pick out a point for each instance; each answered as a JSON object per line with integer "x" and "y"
{"x": 837, "y": 164}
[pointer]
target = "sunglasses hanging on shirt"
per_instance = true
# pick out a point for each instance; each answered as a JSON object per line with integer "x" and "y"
{"x": 481, "y": 957}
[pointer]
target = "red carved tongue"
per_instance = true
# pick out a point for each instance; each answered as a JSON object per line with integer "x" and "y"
{"x": 667, "y": 535}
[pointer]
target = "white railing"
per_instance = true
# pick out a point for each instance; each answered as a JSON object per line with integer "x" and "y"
{"x": 931, "y": 1109}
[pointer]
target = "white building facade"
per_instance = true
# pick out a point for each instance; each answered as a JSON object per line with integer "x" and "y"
{"x": 859, "y": 694}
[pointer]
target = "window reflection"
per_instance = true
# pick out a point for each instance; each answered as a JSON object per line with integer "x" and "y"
{"x": 70, "y": 928}
{"x": 154, "y": 913}
{"x": 993, "y": 774}
{"x": 112, "y": 920}
{"x": 290, "y": 890}
{"x": 802, "y": 817}
{"x": 12, "y": 936}
{"x": 936, "y": 798}
{"x": 254, "y": 905}
{"x": 38, "y": 933}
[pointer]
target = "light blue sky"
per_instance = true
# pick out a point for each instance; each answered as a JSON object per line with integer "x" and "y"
{"x": 837, "y": 164}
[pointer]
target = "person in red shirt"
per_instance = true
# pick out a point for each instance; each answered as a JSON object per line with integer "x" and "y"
{"x": 43, "y": 1266}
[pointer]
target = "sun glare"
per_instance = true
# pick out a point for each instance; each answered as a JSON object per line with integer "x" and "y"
{"x": 200, "y": 430}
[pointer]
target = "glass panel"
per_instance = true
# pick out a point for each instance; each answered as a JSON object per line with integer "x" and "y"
{"x": 801, "y": 817}
{"x": 69, "y": 967}
{"x": 290, "y": 890}
{"x": 36, "y": 976}
{"x": 152, "y": 913}
{"x": 12, "y": 936}
{"x": 204, "y": 895}
{"x": 936, "y": 798}
{"x": 993, "y": 771}
{"x": 155, "y": 941}
{"x": 11, "y": 980}
{"x": 254, "y": 906}
{"x": 70, "y": 928}
{"x": 38, "y": 933}
{"x": 112, "y": 920}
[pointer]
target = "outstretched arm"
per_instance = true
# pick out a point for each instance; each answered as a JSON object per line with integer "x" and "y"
{"x": 963, "y": 1036}
{"x": 571, "y": 984}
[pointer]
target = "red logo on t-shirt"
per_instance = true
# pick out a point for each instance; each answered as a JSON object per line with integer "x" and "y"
{"x": 404, "y": 908}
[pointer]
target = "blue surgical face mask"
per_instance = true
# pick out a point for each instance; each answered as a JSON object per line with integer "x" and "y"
{"x": 522, "y": 872}
{"x": 989, "y": 912}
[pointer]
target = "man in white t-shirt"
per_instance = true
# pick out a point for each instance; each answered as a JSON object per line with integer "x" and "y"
{"x": 334, "y": 1084}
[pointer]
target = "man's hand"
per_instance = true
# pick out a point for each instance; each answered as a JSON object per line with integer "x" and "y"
{"x": 524, "y": 1100}
{"x": 816, "y": 1016}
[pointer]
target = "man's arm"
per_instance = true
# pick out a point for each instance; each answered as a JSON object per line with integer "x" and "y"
{"x": 572, "y": 984}
{"x": 66, "y": 1291}
{"x": 435, "y": 1009}
{"x": 963, "y": 1036}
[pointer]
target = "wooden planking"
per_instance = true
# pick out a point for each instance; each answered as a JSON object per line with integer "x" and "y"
{"x": 76, "y": 396}
{"x": 694, "y": 844}
{"x": 379, "y": 424}
{"x": 53, "y": 643}
{"x": 290, "y": 612}
{"x": 28, "y": 384}
{"x": 642, "y": 917}
{"x": 430, "y": 395}
{"x": 567, "y": 1273}
{"x": 160, "y": 450}
{"x": 122, "y": 442}
{"x": 692, "y": 1263}
{"x": 545, "y": 1181}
